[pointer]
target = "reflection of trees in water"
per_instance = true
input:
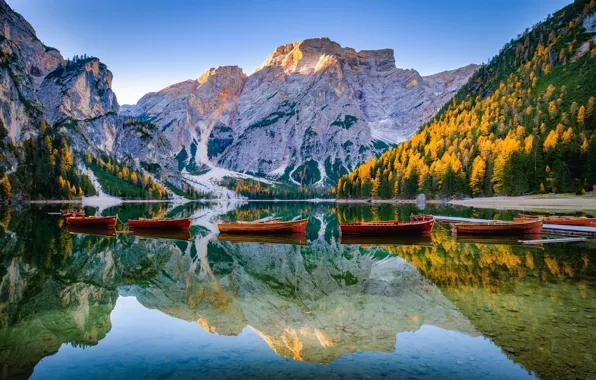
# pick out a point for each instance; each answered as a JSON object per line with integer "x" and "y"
{"x": 536, "y": 304}
{"x": 496, "y": 267}
{"x": 312, "y": 303}
{"x": 58, "y": 288}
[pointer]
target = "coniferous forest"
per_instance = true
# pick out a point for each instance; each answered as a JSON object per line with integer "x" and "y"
{"x": 46, "y": 169}
{"x": 524, "y": 123}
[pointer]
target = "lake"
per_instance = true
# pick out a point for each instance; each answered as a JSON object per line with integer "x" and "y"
{"x": 81, "y": 305}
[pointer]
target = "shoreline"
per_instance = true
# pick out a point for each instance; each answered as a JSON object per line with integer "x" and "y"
{"x": 559, "y": 202}
{"x": 533, "y": 202}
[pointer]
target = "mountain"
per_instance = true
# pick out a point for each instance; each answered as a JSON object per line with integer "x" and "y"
{"x": 312, "y": 110}
{"x": 25, "y": 61}
{"x": 38, "y": 83}
{"x": 53, "y": 111}
{"x": 524, "y": 122}
{"x": 185, "y": 113}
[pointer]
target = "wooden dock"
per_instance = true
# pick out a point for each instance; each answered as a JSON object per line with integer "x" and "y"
{"x": 554, "y": 229}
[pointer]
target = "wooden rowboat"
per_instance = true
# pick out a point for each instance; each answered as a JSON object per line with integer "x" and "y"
{"x": 289, "y": 239}
{"x": 161, "y": 224}
{"x": 296, "y": 226}
{"x": 562, "y": 220}
{"x": 498, "y": 227}
{"x": 92, "y": 221}
{"x": 418, "y": 225}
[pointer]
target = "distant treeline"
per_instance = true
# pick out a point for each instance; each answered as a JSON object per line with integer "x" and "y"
{"x": 253, "y": 189}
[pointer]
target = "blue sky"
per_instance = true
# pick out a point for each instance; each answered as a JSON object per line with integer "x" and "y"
{"x": 151, "y": 44}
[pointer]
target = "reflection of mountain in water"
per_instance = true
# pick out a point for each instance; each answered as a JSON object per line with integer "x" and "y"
{"x": 311, "y": 303}
{"x": 308, "y": 303}
{"x": 63, "y": 291}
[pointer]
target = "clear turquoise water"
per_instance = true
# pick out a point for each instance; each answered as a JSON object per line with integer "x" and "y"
{"x": 84, "y": 306}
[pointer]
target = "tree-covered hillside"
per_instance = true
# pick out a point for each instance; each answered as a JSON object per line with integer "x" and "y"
{"x": 525, "y": 122}
{"x": 45, "y": 168}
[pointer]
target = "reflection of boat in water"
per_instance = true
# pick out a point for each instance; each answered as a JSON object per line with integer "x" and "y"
{"x": 264, "y": 227}
{"x": 292, "y": 239}
{"x": 562, "y": 220}
{"x": 157, "y": 234}
{"x": 160, "y": 224}
{"x": 498, "y": 228}
{"x": 418, "y": 225}
{"x": 421, "y": 240}
{"x": 92, "y": 221}
{"x": 91, "y": 230}
{"x": 488, "y": 240}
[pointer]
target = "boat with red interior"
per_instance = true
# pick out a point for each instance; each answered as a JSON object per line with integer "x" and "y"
{"x": 562, "y": 220}
{"x": 418, "y": 225}
{"x": 268, "y": 226}
{"x": 160, "y": 223}
{"x": 92, "y": 221}
{"x": 72, "y": 212}
{"x": 519, "y": 227}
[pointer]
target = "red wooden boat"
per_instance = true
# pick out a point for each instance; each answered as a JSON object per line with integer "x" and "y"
{"x": 562, "y": 220}
{"x": 270, "y": 226}
{"x": 519, "y": 227}
{"x": 161, "y": 224}
{"x": 418, "y": 225}
{"x": 92, "y": 221}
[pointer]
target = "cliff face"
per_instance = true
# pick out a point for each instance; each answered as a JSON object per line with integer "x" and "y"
{"x": 24, "y": 62}
{"x": 79, "y": 95}
{"x": 313, "y": 110}
{"x": 186, "y": 112}
{"x": 37, "y": 83}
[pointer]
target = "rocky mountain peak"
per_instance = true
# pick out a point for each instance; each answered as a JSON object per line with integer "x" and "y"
{"x": 39, "y": 59}
{"x": 311, "y": 55}
{"x": 220, "y": 73}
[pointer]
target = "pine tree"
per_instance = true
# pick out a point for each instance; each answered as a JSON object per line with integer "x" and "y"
{"x": 477, "y": 175}
{"x": 65, "y": 158}
{"x": 581, "y": 115}
{"x": 5, "y": 189}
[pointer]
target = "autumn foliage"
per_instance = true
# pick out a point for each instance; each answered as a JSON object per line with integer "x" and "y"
{"x": 117, "y": 178}
{"x": 525, "y": 122}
